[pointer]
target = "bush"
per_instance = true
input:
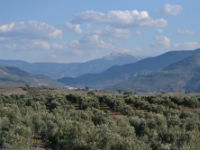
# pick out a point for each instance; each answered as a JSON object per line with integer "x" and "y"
{"x": 148, "y": 122}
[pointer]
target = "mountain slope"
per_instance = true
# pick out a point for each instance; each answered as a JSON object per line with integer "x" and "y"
{"x": 59, "y": 70}
{"x": 118, "y": 74}
{"x": 181, "y": 76}
{"x": 12, "y": 76}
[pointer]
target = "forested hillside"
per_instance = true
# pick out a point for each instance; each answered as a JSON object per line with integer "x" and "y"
{"x": 99, "y": 121}
{"x": 181, "y": 76}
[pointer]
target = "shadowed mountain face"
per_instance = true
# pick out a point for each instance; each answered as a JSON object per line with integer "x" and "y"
{"x": 12, "y": 76}
{"x": 117, "y": 74}
{"x": 181, "y": 76}
{"x": 59, "y": 70}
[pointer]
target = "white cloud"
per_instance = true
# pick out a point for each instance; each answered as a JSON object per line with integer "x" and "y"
{"x": 35, "y": 44}
{"x": 160, "y": 31}
{"x": 54, "y": 56}
{"x": 138, "y": 32}
{"x": 173, "y": 10}
{"x": 74, "y": 44}
{"x": 91, "y": 42}
{"x": 29, "y": 30}
{"x": 113, "y": 32}
{"x": 30, "y": 35}
{"x": 10, "y": 46}
{"x": 191, "y": 45}
{"x": 59, "y": 46}
{"x": 57, "y": 58}
{"x": 187, "y": 45}
{"x": 117, "y": 18}
{"x": 163, "y": 41}
{"x": 185, "y": 32}
{"x": 42, "y": 44}
{"x": 78, "y": 52}
{"x": 74, "y": 27}
{"x": 177, "y": 45}
{"x": 32, "y": 45}
{"x": 55, "y": 34}
{"x": 88, "y": 46}
{"x": 7, "y": 27}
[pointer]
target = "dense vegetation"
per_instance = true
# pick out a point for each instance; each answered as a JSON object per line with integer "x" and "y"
{"x": 96, "y": 121}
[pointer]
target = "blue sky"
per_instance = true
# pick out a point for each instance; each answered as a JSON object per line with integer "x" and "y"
{"x": 80, "y": 30}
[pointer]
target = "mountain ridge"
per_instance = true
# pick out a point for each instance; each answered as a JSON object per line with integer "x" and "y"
{"x": 59, "y": 70}
{"x": 14, "y": 77}
{"x": 117, "y": 74}
{"x": 181, "y": 76}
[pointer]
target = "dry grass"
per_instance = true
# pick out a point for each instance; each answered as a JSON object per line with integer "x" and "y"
{"x": 10, "y": 91}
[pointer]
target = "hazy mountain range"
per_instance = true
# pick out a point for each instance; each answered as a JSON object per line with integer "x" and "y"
{"x": 14, "y": 77}
{"x": 171, "y": 71}
{"x": 59, "y": 70}
{"x": 117, "y": 74}
{"x": 181, "y": 76}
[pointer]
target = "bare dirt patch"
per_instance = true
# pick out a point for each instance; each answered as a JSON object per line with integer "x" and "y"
{"x": 11, "y": 91}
